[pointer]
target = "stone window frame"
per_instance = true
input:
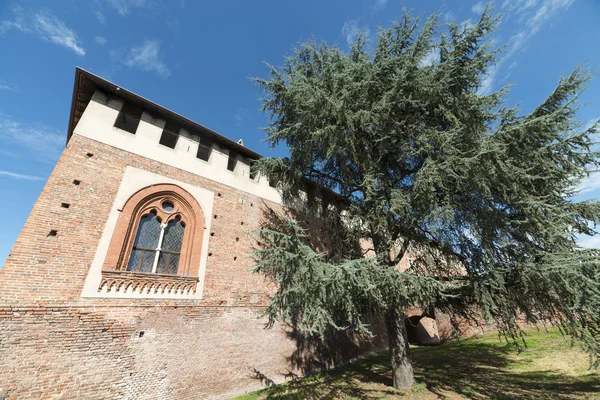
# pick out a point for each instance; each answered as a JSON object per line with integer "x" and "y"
{"x": 140, "y": 204}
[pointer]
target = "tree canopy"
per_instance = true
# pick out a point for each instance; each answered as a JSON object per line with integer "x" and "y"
{"x": 423, "y": 164}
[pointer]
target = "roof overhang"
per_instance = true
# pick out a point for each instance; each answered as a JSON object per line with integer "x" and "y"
{"x": 86, "y": 84}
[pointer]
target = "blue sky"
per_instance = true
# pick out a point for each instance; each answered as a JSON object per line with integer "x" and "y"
{"x": 196, "y": 58}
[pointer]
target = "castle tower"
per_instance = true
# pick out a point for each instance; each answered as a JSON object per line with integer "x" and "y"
{"x": 131, "y": 278}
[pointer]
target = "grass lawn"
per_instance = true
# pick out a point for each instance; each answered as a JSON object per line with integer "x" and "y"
{"x": 482, "y": 367}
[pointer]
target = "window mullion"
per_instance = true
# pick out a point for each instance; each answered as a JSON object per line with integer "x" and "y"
{"x": 159, "y": 248}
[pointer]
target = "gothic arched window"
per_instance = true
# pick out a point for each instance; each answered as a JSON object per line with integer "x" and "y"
{"x": 157, "y": 246}
{"x": 159, "y": 231}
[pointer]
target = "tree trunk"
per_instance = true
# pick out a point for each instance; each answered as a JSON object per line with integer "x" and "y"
{"x": 402, "y": 369}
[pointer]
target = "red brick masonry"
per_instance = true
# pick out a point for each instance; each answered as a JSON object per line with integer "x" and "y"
{"x": 55, "y": 344}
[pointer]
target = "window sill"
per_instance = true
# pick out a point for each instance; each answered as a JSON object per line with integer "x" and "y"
{"x": 144, "y": 284}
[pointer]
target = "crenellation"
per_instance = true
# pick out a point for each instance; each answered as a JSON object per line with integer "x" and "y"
{"x": 242, "y": 167}
{"x": 147, "y": 133}
{"x": 102, "y": 98}
{"x": 97, "y": 123}
{"x": 218, "y": 159}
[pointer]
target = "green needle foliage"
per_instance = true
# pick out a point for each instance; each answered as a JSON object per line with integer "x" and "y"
{"x": 416, "y": 161}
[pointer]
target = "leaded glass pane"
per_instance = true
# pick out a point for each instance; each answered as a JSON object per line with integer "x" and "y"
{"x": 167, "y": 263}
{"x": 168, "y": 260}
{"x": 141, "y": 260}
{"x": 145, "y": 244}
{"x": 148, "y": 232}
{"x": 173, "y": 236}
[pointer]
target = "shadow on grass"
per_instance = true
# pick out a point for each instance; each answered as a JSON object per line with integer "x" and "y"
{"x": 474, "y": 370}
{"x": 478, "y": 370}
{"x": 355, "y": 381}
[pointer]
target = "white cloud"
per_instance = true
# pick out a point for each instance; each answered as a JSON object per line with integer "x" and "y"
{"x": 380, "y": 4}
{"x": 101, "y": 40}
{"x": 241, "y": 116}
{"x": 518, "y": 5}
{"x": 589, "y": 123}
{"x": 592, "y": 242}
{"x": 478, "y": 8}
{"x": 531, "y": 19}
{"x": 100, "y": 17}
{"x": 46, "y": 143}
{"x": 517, "y": 42}
{"x": 147, "y": 57}
{"x": 44, "y": 25}
{"x": 21, "y": 176}
{"x": 590, "y": 183}
{"x": 6, "y": 86}
{"x": 546, "y": 11}
{"x": 534, "y": 21}
{"x": 467, "y": 24}
{"x": 351, "y": 29}
{"x": 487, "y": 83}
{"x": 430, "y": 58}
{"x": 174, "y": 26}
{"x": 124, "y": 7}
{"x": 449, "y": 16}
{"x": 54, "y": 30}
{"x": 19, "y": 22}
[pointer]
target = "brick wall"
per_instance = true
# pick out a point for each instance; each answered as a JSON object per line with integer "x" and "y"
{"x": 55, "y": 344}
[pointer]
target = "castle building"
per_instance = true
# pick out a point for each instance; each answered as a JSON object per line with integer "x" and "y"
{"x": 131, "y": 278}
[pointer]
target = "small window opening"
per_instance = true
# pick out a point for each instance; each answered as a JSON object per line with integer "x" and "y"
{"x": 142, "y": 333}
{"x": 204, "y": 148}
{"x": 168, "y": 207}
{"x": 128, "y": 118}
{"x": 169, "y": 135}
{"x": 76, "y": 182}
{"x": 53, "y": 232}
{"x": 65, "y": 205}
{"x": 232, "y": 161}
{"x": 89, "y": 155}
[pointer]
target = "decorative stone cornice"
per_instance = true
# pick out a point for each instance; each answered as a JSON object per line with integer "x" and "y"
{"x": 146, "y": 283}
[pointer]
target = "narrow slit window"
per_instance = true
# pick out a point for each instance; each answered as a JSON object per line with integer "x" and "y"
{"x": 204, "y": 148}
{"x": 169, "y": 135}
{"x": 232, "y": 161}
{"x": 128, "y": 118}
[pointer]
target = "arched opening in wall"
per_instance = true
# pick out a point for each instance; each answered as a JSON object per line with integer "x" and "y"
{"x": 158, "y": 238}
{"x": 422, "y": 330}
{"x": 411, "y": 324}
